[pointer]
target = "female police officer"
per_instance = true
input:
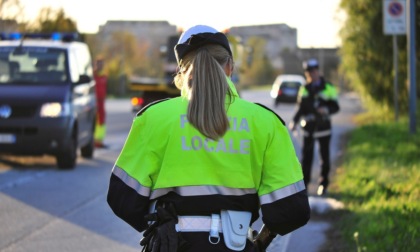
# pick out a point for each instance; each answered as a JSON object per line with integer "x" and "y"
{"x": 207, "y": 161}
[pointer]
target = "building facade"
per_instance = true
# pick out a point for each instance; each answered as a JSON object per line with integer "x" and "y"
{"x": 279, "y": 38}
{"x": 281, "y": 46}
{"x": 155, "y": 33}
{"x": 8, "y": 25}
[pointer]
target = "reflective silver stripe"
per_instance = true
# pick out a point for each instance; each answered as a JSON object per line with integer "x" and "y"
{"x": 318, "y": 133}
{"x": 322, "y": 133}
{"x": 196, "y": 224}
{"x": 282, "y": 192}
{"x": 201, "y": 191}
{"x": 309, "y": 117}
{"x": 131, "y": 182}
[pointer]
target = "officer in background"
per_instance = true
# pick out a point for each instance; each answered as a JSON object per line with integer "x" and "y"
{"x": 317, "y": 101}
{"x": 195, "y": 170}
{"x": 101, "y": 90}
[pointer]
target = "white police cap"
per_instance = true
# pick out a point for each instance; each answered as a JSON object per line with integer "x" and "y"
{"x": 197, "y": 36}
{"x": 195, "y": 30}
{"x": 310, "y": 64}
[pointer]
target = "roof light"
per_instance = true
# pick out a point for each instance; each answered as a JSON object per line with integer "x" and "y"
{"x": 15, "y": 36}
{"x": 56, "y": 36}
{"x": 10, "y": 36}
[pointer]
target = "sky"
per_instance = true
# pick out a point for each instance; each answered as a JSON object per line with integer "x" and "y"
{"x": 317, "y": 21}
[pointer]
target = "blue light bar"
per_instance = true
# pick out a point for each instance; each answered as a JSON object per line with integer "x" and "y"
{"x": 10, "y": 36}
{"x": 15, "y": 36}
{"x": 56, "y": 36}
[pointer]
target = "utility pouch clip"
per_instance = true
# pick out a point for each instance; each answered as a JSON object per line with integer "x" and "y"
{"x": 235, "y": 225}
{"x": 214, "y": 237}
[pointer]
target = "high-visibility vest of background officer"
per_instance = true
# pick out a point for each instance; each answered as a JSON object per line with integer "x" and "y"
{"x": 317, "y": 101}
{"x": 101, "y": 90}
{"x": 201, "y": 166}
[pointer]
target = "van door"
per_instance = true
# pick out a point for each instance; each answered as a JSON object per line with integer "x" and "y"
{"x": 83, "y": 97}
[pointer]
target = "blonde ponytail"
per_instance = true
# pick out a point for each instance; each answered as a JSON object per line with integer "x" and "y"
{"x": 205, "y": 81}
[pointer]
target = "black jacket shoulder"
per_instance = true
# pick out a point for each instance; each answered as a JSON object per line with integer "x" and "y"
{"x": 149, "y": 105}
{"x": 267, "y": 108}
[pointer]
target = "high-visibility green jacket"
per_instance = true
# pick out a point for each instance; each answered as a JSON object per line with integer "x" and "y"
{"x": 253, "y": 165}
{"x": 310, "y": 98}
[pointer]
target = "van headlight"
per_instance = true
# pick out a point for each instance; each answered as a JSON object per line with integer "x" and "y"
{"x": 55, "y": 109}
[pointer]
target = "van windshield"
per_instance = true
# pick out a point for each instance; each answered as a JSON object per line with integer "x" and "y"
{"x": 33, "y": 65}
{"x": 290, "y": 84}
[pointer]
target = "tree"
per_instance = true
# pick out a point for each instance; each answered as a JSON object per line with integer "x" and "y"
{"x": 367, "y": 55}
{"x": 257, "y": 68}
{"x": 50, "y": 20}
{"x": 126, "y": 56}
{"x": 10, "y": 9}
{"x": 10, "y": 15}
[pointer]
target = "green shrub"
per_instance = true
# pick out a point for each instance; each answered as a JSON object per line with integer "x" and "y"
{"x": 379, "y": 185}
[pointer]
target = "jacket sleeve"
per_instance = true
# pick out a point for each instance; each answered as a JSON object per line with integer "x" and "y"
{"x": 127, "y": 204}
{"x": 282, "y": 193}
{"x": 332, "y": 99}
{"x": 130, "y": 183}
{"x": 298, "y": 112}
{"x": 288, "y": 214}
{"x": 297, "y": 115}
{"x": 333, "y": 106}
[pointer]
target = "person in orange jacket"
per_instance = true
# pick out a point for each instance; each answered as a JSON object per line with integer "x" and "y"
{"x": 101, "y": 90}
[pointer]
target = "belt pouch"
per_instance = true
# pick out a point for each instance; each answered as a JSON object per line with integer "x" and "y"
{"x": 235, "y": 226}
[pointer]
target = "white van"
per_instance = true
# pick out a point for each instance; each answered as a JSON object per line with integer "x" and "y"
{"x": 286, "y": 88}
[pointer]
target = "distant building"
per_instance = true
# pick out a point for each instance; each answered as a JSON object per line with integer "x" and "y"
{"x": 281, "y": 43}
{"x": 155, "y": 33}
{"x": 279, "y": 37}
{"x": 283, "y": 51}
{"x": 8, "y": 25}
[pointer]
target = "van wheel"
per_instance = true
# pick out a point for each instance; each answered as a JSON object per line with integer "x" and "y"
{"x": 67, "y": 159}
{"x": 87, "y": 150}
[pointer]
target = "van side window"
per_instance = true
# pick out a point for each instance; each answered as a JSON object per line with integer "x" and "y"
{"x": 74, "y": 69}
{"x": 84, "y": 61}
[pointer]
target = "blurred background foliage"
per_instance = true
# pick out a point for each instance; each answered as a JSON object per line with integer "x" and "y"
{"x": 367, "y": 56}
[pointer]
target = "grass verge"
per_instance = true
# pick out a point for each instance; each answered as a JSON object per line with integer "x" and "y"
{"x": 378, "y": 181}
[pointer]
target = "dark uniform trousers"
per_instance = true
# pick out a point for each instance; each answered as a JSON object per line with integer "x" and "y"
{"x": 308, "y": 154}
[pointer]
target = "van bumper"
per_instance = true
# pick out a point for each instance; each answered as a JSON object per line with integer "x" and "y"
{"x": 34, "y": 137}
